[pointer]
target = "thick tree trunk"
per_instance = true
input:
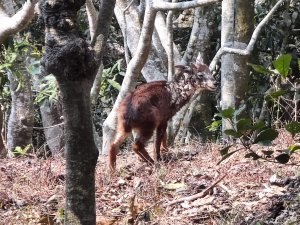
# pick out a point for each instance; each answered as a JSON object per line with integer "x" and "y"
{"x": 70, "y": 59}
{"x": 237, "y": 27}
{"x": 20, "y": 123}
{"x": 81, "y": 152}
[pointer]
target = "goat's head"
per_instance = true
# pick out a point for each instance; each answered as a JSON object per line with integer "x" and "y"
{"x": 198, "y": 76}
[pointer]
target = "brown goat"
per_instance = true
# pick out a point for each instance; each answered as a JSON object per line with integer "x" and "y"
{"x": 150, "y": 106}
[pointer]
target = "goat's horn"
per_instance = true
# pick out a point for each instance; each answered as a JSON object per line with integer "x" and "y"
{"x": 199, "y": 59}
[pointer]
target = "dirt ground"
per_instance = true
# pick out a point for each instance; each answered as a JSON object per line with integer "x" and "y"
{"x": 237, "y": 191}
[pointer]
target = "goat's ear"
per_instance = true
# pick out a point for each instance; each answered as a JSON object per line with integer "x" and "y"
{"x": 200, "y": 67}
{"x": 180, "y": 67}
{"x": 179, "y": 70}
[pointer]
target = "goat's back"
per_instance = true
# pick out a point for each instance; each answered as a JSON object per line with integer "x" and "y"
{"x": 147, "y": 106}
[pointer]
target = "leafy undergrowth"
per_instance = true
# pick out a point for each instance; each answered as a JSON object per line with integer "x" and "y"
{"x": 252, "y": 192}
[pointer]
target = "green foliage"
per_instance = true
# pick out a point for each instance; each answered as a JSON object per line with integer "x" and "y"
{"x": 250, "y": 133}
{"x": 21, "y": 151}
{"x": 214, "y": 126}
{"x": 21, "y": 57}
{"x": 293, "y": 128}
{"x": 110, "y": 85}
{"x": 49, "y": 90}
{"x": 282, "y": 64}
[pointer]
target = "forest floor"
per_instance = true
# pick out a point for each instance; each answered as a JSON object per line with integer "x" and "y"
{"x": 248, "y": 192}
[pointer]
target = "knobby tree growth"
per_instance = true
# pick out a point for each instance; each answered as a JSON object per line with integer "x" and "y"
{"x": 74, "y": 63}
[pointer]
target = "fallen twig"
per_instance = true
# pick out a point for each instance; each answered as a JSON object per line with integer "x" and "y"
{"x": 199, "y": 195}
{"x": 146, "y": 210}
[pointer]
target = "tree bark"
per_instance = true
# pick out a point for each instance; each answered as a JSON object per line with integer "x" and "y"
{"x": 3, "y": 150}
{"x": 237, "y": 27}
{"x": 20, "y": 122}
{"x": 11, "y": 24}
{"x": 51, "y": 116}
{"x": 74, "y": 64}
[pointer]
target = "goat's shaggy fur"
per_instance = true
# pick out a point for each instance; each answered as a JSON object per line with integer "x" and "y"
{"x": 149, "y": 107}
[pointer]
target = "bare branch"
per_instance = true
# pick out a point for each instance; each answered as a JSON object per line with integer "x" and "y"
{"x": 16, "y": 23}
{"x": 253, "y": 39}
{"x": 188, "y": 54}
{"x": 92, "y": 17}
{"x": 161, "y": 5}
{"x": 199, "y": 195}
{"x": 161, "y": 28}
{"x": 170, "y": 44}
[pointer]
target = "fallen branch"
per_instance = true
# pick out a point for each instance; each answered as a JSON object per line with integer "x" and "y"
{"x": 199, "y": 195}
{"x": 144, "y": 211}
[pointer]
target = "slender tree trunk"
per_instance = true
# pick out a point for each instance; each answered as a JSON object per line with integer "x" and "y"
{"x": 3, "y": 150}
{"x": 237, "y": 27}
{"x": 20, "y": 123}
{"x": 51, "y": 116}
{"x": 153, "y": 69}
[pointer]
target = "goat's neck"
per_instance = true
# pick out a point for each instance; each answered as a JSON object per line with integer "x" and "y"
{"x": 181, "y": 92}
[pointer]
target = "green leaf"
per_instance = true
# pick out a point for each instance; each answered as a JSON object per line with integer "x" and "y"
{"x": 275, "y": 95}
{"x": 258, "y": 125}
{"x": 244, "y": 124}
{"x": 226, "y": 156}
{"x": 224, "y": 151}
{"x": 293, "y": 128}
{"x": 259, "y": 68}
{"x": 233, "y": 133}
{"x": 268, "y": 152}
{"x": 252, "y": 155}
{"x": 283, "y": 158}
{"x": 115, "y": 84}
{"x": 214, "y": 125}
{"x": 266, "y": 136}
{"x": 282, "y": 64}
{"x": 294, "y": 148}
{"x": 227, "y": 113}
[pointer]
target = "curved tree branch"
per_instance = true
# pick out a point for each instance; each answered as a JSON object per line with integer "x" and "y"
{"x": 14, "y": 24}
{"x": 248, "y": 50}
{"x": 161, "y": 5}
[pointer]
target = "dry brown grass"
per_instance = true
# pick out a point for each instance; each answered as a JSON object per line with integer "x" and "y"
{"x": 31, "y": 189}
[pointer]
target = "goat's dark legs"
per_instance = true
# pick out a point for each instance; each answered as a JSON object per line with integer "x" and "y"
{"x": 139, "y": 146}
{"x": 160, "y": 136}
{"x": 113, "y": 151}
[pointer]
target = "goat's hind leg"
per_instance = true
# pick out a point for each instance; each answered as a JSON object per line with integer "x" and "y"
{"x": 113, "y": 151}
{"x": 139, "y": 146}
{"x": 160, "y": 139}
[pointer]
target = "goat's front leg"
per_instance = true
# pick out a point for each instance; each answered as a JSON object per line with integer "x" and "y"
{"x": 113, "y": 151}
{"x": 160, "y": 138}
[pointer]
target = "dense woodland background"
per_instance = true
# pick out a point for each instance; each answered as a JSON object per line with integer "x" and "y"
{"x": 66, "y": 66}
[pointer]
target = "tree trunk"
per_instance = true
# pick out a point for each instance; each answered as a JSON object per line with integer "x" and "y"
{"x": 237, "y": 27}
{"x": 20, "y": 123}
{"x": 54, "y": 134}
{"x": 153, "y": 69}
{"x": 70, "y": 59}
{"x": 3, "y": 150}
